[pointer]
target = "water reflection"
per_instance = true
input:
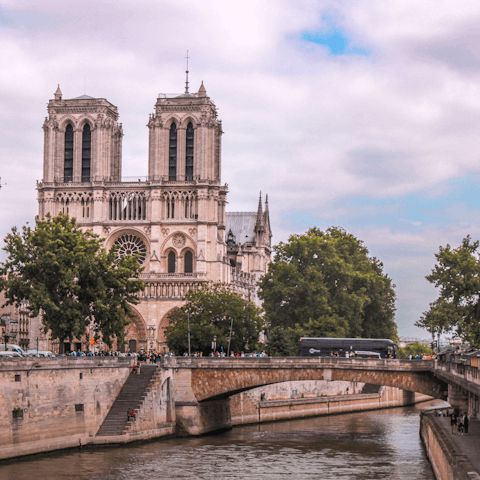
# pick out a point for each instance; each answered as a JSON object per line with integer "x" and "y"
{"x": 381, "y": 444}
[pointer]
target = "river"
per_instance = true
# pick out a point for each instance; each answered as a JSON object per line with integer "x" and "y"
{"x": 382, "y": 444}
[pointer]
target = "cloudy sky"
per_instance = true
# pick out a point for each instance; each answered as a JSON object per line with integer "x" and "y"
{"x": 355, "y": 113}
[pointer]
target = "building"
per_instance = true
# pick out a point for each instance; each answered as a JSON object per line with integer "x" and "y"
{"x": 175, "y": 218}
{"x": 21, "y": 329}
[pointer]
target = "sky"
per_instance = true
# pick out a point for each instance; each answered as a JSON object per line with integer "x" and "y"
{"x": 359, "y": 114}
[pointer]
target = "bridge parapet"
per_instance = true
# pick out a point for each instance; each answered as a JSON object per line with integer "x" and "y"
{"x": 220, "y": 363}
{"x": 459, "y": 371}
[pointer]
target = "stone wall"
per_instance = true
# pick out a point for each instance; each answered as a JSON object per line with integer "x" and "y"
{"x": 313, "y": 399}
{"x": 214, "y": 378}
{"x": 60, "y": 400}
{"x": 61, "y": 403}
{"x": 447, "y": 463}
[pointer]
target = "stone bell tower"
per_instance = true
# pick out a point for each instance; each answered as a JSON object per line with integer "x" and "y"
{"x": 185, "y": 138}
{"x": 82, "y": 146}
{"x": 83, "y": 141}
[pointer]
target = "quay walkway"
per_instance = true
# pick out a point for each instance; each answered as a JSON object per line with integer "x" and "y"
{"x": 464, "y": 445}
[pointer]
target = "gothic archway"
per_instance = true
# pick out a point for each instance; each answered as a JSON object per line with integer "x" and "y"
{"x": 161, "y": 338}
{"x": 135, "y": 335}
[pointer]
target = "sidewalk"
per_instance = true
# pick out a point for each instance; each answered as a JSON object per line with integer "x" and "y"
{"x": 466, "y": 444}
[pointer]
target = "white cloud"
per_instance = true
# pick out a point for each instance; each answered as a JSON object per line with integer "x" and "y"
{"x": 318, "y": 132}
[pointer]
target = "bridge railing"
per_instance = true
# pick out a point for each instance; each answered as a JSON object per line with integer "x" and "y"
{"x": 459, "y": 369}
{"x": 297, "y": 362}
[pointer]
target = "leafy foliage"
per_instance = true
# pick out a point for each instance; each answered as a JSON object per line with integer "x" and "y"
{"x": 211, "y": 311}
{"x": 324, "y": 284}
{"x": 66, "y": 275}
{"x": 457, "y": 308}
{"x": 414, "y": 349}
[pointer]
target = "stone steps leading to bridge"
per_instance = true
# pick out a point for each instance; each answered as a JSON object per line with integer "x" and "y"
{"x": 131, "y": 396}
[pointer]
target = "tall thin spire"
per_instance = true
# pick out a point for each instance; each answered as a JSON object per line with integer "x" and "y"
{"x": 260, "y": 220}
{"x": 186, "y": 71}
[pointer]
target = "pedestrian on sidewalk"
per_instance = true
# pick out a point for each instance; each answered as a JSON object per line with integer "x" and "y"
{"x": 460, "y": 424}
{"x": 453, "y": 422}
{"x": 465, "y": 423}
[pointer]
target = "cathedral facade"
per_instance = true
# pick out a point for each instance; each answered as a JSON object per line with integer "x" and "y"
{"x": 174, "y": 219}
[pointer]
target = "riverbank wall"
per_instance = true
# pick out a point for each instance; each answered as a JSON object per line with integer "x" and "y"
{"x": 447, "y": 463}
{"x": 54, "y": 403}
{"x": 260, "y": 405}
{"x": 60, "y": 403}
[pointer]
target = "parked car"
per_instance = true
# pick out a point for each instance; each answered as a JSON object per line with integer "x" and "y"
{"x": 9, "y": 354}
{"x": 40, "y": 353}
{"x": 11, "y": 348}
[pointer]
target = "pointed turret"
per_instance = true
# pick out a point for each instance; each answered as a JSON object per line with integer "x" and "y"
{"x": 201, "y": 91}
{"x": 58, "y": 93}
{"x": 267, "y": 217}
{"x": 260, "y": 221}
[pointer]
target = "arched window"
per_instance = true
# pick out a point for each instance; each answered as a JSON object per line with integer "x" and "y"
{"x": 68, "y": 155}
{"x": 189, "y": 155}
{"x": 86, "y": 152}
{"x": 171, "y": 262}
{"x": 188, "y": 262}
{"x": 172, "y": 154}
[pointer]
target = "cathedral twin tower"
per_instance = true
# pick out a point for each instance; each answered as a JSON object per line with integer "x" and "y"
{"x": 175, "y": 219}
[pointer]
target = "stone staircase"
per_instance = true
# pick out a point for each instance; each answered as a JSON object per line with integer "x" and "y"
{"x": 131, "y": 395}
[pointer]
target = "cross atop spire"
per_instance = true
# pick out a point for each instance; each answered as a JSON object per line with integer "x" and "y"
{"x": 186, "y": 71}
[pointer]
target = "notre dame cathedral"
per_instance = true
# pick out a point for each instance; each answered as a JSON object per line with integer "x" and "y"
{"x": 174, "y": 219}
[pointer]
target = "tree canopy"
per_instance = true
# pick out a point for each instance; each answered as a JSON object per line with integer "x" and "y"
{"x": 325, "y": 284}
{"x": 210, "y": 312}
{"x": 66, "y": 275}
{"x": 414, "y": 349}
{"x": 457, "y": 308}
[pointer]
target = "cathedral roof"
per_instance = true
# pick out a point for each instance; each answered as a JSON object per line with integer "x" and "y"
{"x": 242, "y": 225}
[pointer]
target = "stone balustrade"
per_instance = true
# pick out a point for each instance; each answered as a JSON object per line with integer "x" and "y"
{"x": 170, "y": 289}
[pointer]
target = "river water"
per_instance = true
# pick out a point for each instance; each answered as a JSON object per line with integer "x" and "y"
{"x": 383, "y": 444}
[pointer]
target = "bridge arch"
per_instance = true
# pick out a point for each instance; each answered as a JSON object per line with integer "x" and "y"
{"x": 212, "y": 380}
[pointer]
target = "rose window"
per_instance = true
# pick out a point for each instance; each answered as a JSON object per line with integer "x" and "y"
{"x": 131, "y": 245}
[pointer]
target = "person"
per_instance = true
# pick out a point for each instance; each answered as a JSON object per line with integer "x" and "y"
{"x": 460, "y": 424}
{"x": 134, "y": 369}
{"x": 131, "y": 414}
{"x": 453, "y": 422}
{"x": 465, "y": 423}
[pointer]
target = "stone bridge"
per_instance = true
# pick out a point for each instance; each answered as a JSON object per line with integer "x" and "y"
{"x": 203, "y": 385}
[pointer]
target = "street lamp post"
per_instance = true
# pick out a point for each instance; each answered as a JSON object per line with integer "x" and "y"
{"x": 188, "y": 316}
{"x": 230, "y": 337}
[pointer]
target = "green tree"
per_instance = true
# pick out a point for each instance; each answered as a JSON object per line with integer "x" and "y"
{"x": 457, "y": 308}
{"x": 283, "y": 342}
{"x": 414, "y": 349}
{"x": 210, "y": 312}
{"x": 325, "y": 284}
{"x": 66, "y": 275}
